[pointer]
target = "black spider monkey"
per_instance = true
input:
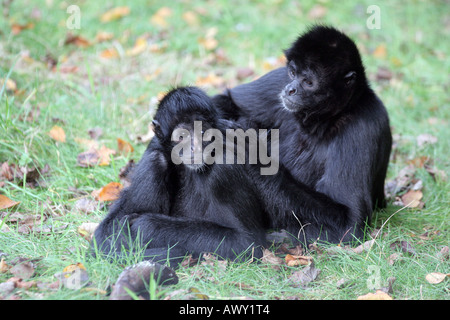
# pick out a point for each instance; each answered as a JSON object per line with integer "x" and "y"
{"x": 335, "y": 138}
{"x": 174, "y": 207}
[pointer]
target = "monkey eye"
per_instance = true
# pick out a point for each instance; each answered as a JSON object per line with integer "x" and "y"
{"x": 308, "y": 82}
{"x": 292, "y": 73}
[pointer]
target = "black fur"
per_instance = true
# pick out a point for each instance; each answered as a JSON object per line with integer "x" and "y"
{"x": 173, "y": 210}
{"x": 335, "y": 138}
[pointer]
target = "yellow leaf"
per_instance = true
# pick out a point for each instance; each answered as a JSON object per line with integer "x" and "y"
{"x": 379, "y": 295}
{"x": 6, "y": 202}
{"x": 412, "y": 198}
{"x": 210, "y": 80}
{"x": 10, "y": 84}
{"x": 110, "y": 192}
{"x": 109, "y": 53}
{"x": 159, "y": 18}
{"x": 124, "y": 147}
{"x": 293, "y": 261}
{"x": 57, "y": 133}
{"x": 72, "y": 267}
{"x": 114, "y": 14}
{"x": 105, "y": 154}
{"x": 139, "y": 47}
{"x": 380, "y": 52}
{"x": 104, "y": 36}
{"x": 436, "y": 277}
{"x": 191, "y": 18}
{"x": 87, "y": 229}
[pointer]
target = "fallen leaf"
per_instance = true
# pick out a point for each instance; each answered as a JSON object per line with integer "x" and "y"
{"x": 426, "y": 138}
{"x": 378, "y": 295}
{"x": 85, "y": 205}
{"x": 104, "y": 36}
{"x": 404, "y": 246}
{"x": 210, "y": 80}
{"x": 18, "y": 28}
{"x": 384, "y": 74}
{"x": 270, "y": 258}
{"x": 6, "y": 202}
{"x": 110, "y": 53}
{"x": 94, "y": 156}
{"x": 420, "y": 162}
{"x": 23, "y": 270}
{"x": 4, "y": 266}
{"x": 208, "y": 41}
{"x": 317, "y": 12}
{"x": 436, "y": 277}
{"x": 87, "y": 229}
{"x": 115, "y": 14}
{"x": 10, "y": 84}
{"x": 139, "y": 46}
{"x": 364, "y": 247}
{"x": 191, "y": 18}
{"x": 124, "y": 147}
{"x": 293, "y": 261}
{"x": 74, "y": 276}
{"x": 304, "y": 276}
{"x": 77, "y": 40}
{"x": 380, "y": 51}
{"x": 159, "y": 18}
{"x": 243, "y": 73}
{"x": 135, "y": 279}
{"x": 72, "y": 267}
{"x": 57, "y": 133}
{"x": 110, "y": 192}
{"x": 412, "y": 199}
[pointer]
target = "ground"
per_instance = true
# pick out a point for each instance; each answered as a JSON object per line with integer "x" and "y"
{"x": 78, "y": 85}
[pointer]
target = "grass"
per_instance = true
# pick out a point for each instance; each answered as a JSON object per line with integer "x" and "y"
{"x": 116, "y": 95}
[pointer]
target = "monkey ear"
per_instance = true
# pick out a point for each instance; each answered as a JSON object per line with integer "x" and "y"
{"x": 350, "y": 78}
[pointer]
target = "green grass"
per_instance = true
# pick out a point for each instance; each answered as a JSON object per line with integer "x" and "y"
{"x": 115, "y": 95}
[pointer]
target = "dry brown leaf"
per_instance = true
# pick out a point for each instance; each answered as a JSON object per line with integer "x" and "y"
{"x": 57, "y": 133}
{"x": 364, "y": 246}
{"x": 6, "y": 202}
{"x": 419, "y": 162}
{"x": 105, "y": 155}
{"x": 412, "y": 199}
{"x": 304, "y": 276}
{"x": 115, "y": 14}
{"x": 292, "y": 260}
{"x": 270, "y": 258}
{"x": 378, "y": 295}
{"x": 4, "y": 266}
{"x": 124, "y": 147}
{"x": 436, "y": 277}
{"x": 110, "y": 192}
{"x": 77, "y": 40}
{"x": 18, "y": 28}
{"x": 23, "y": 270}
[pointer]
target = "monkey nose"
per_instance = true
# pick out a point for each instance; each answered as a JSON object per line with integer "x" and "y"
{"x": 292, "y": 91}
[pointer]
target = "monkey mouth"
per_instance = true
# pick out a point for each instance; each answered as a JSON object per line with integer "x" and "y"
{"x": 288, "y": 104}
